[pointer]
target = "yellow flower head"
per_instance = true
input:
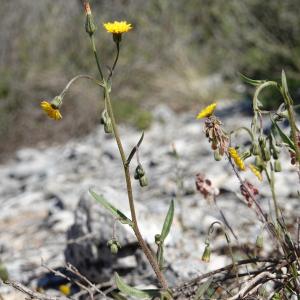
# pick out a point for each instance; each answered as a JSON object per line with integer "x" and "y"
{"x": 237, "y": 159}
{"x": 52, "y": 111}
{"x": 117, "y": 27}
{"x": 255, "y": 171}
{"x": 207, "y": 111}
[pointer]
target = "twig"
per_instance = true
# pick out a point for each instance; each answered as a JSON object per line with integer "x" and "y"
{"x": 58, "y": 273}
{"x": 32, "y": 295}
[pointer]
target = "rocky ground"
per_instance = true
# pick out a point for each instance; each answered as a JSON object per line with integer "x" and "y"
{"x": 47, "y": 213}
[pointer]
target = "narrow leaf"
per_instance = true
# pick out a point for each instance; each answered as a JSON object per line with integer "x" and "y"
{"x": 283, "y": 136}
{"x": 134, "y": 149}
{"x": 203, "y": 288}
{"x": 131, "y": 291}
{"x": 160, "y": 256}
{"x": 114, "y": 211}
{"x": 285, "y": 88}
{"x": 168, "y": 222}
{"x": 251, "y": 81}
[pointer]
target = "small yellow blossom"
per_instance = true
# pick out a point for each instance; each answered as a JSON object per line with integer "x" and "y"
{"x": 117, "y": 27}
{"x": 255, "y": 171}
{"x": 51, "y": 110}
{"x": 237, "y": 159}
{"x": 207, "y": 111}
{"x": 65, "y": 289}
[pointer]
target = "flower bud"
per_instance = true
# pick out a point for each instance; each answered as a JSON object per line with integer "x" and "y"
{"x": 277, "y": 166}
{"x": 157, "y": 239}
{"x": 114, "y": 246}
{"x": 90, "y": 26}
{"x": 143, "y": 181}
{"x": 217, "y": 155}
{"x": 255, "y": 149}
{"x": 106, "y": 121}
{"x": 259, "y": 241}
{"x": 206, "y": 253}
{"x": 139, "y": 172}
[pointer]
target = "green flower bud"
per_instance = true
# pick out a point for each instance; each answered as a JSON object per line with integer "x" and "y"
{"x": 114, "y": 246}
{"x": 3, "y": 272}
{"x": 266, "y": 154}
{"x": 255, "y": 149}
{"x": 143, "y": 181}
{"x": 90, "y": 26}
{"x": 139, "y": 172}
{"x": 106, "y": 121}
{"x": 217, "y": 155}
{"x": 157, "y": 239}
{"x": 108, "y": 128}
{"x": 259, "y": 163}
{"x": 277, "y": 166}
{"x": 259, "y": 241}
{"x": 206, "y": 253}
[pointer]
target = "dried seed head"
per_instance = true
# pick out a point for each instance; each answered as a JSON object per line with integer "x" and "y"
{"x": 215, "y": 134}
{"x": 249, "y": 191}
{"x": 205, "y": 187}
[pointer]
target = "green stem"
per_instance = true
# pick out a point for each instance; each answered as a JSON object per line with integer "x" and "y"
{"x": 115, "y": 62}
{"x": 294, "y": 130}
{"x": 271, "y": 181}
{"x": 75, "y": 79}
{"x": 152, "y": 260}
{"x": 96, "y": 56}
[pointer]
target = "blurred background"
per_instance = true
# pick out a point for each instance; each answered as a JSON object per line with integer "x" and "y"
{"x": 182, "y": 53}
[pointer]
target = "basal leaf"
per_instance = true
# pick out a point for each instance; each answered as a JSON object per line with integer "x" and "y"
{"x": 202, "y": 289}
{"x": 134, "y": 292}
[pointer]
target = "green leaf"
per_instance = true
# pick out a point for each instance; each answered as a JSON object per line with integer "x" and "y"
{"x": 168, "y": 222}
{"x": 283, "y": 136}
{"x": 203, "y": 288}
{"x": 160, "y": 256}
{"x": 285, "y": 89}
{"x": 134, "y": 149}
{"x": 114, "y": 211}
{"x": 134, "y": 292}
{"x": 251, "y": 81}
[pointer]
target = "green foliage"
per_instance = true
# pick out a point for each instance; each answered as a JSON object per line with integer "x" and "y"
{"x": 114, "y": 211}
{"x": 134, "y": 292}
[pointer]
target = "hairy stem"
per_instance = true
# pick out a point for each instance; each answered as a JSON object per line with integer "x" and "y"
{"x": 152, "y": 260}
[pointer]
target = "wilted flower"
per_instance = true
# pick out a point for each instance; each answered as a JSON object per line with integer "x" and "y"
{"x": 207, "y": 111}
{"x": 255, "y": 171}
{"x": 205, "y": 187}
{"x": 236, "y": 157}
{"x": 51, "y": 110}
{"x": 249, "y": 191}
{"x": 215, "y": 134}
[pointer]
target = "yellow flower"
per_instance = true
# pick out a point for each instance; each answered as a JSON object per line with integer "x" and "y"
{"x": 207, "y": 111}
{"x": 117, "y": 27}
{"x": 237, "y": 159}
{"x": 51, "y": 110}
{"x": 65, "y": 289}
{"x": 255, "y": 171}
